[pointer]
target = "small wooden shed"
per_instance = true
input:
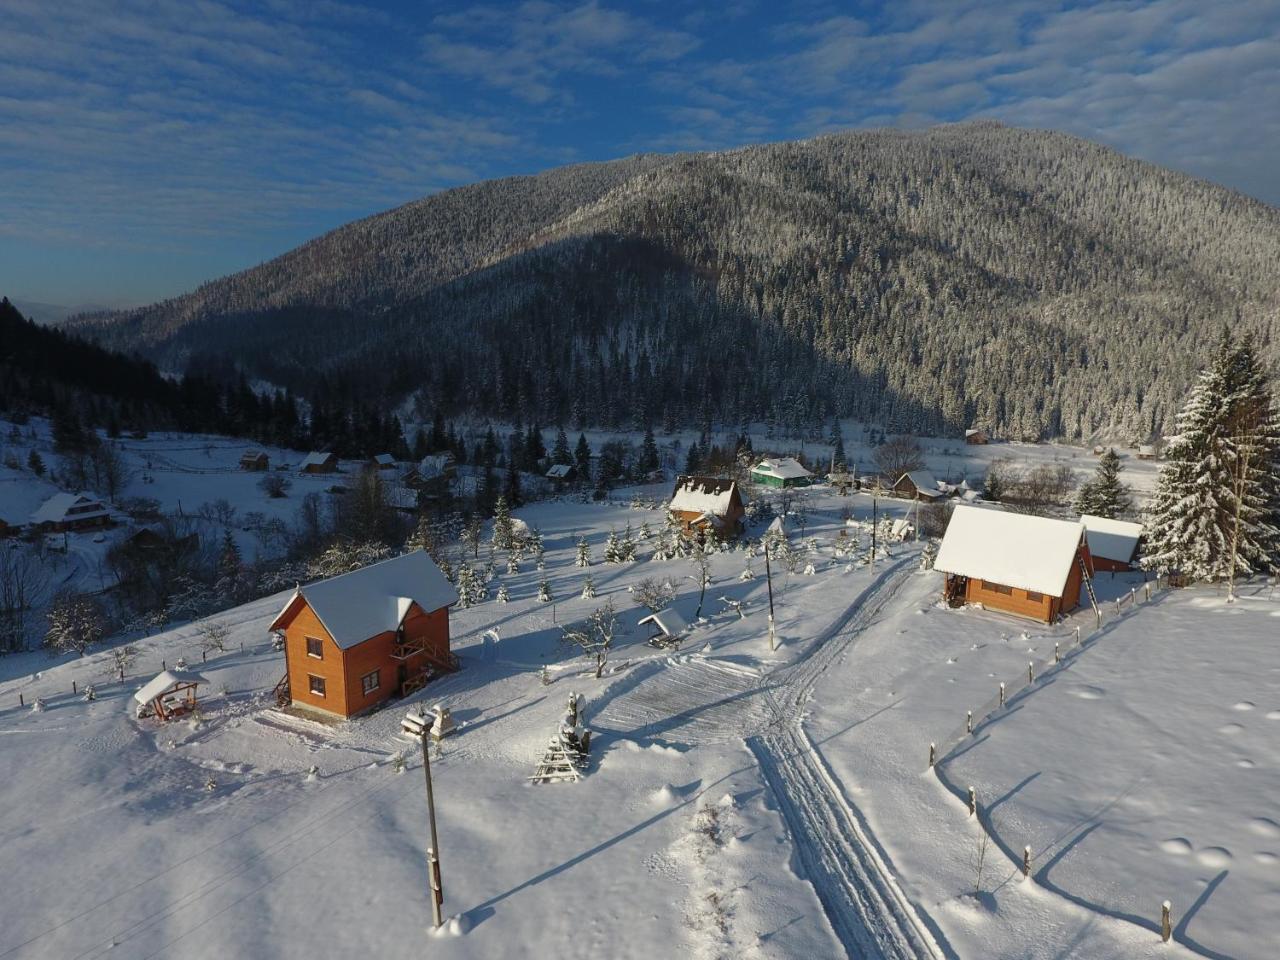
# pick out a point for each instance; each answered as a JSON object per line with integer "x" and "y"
{"x": 918, "y": 485}
{"x": 669, "y": 628}
{"x": 319, "y": 462}
{"x": 254, "y": 460}
{"x": 976, "y": 436}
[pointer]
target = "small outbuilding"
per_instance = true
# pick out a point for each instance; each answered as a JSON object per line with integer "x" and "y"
{"x": 1114, "y": 544}
{"x": 562, "y": 473}
{"x": 781, "y": 472}
{"x": 319, "y": 462}
{"x": 1148, "y": 451}
{"x": 701, "y": 503}
{"x": 355, "y": 640}
{"x": 668, "y": 627}
{"x": 71, "y": 511}
{"x": 254, "y": 460}
{"x": 976, "y": 436}
{"x": 1030, "y": 566}
{"x": 169, "y": 694}
{"x": 918, "y": 485}
{"x": 382, "y": 461}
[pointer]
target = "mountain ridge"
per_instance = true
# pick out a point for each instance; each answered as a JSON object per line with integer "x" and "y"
{"x": 965, "y": 273}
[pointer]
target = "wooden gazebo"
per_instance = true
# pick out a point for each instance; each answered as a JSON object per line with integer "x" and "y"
{"x": 169, "y": 694}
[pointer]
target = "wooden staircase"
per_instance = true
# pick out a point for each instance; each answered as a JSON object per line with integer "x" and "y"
{"x": 281, "y": 692}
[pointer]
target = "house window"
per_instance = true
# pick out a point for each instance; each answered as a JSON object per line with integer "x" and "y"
{"x": 997, "y": 587}
{"x": 315, "y": 684}
{"x": 315, "y": 648}
{"x": 369, "y": 682}
{"x": 1035, "y": 597}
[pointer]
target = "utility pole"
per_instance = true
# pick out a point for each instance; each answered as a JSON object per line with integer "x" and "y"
{"x": 768, "y": 575}
{"x": 415, "y": 724}
{"x": 873, "y": 530}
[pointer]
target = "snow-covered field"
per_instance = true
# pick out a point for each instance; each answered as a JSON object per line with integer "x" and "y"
{"x": 740, "y": 802}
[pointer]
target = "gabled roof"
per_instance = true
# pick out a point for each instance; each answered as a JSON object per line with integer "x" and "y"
{"x": 668, "y": 621}
{"x": 58, "y": 508}
{"x": 163, "y": 681}
{"x": 783, "y": 468}
{"x": 384, "y": 460}
{"x": 1112, "y": 539}
{"x": 974, "y": 431}
{"x": 703, "y": 495}
{"x": 315, "y": 458}
{"x": 558, "y": 471}
{"x": 375, "y": 599}
{"x": 923, "y": 481}
{"x": 1013, "y": 549}
{"x": 434, "y": 464}
{"x": 252, "y": 454}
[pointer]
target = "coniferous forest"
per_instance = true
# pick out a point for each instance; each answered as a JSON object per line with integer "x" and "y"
{"x": 1031, "y": 282}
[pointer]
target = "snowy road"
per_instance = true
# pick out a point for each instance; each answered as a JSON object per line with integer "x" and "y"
{"x": 861, "y": 897}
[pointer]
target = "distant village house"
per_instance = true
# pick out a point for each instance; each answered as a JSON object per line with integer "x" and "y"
{"x": 976, "y": 436}
{"x": 918, "y": 485}
{"x": 781, "y": 472}
{"x": 355, "y": 640}
{"x": 701, "y": 503}
{"x": 71, "y": 511}
{"x": 382, "y": 461}
{"x": 254, "y": 460}
{"x": 318, "y": 462}
{"x": 1029, "y": 566}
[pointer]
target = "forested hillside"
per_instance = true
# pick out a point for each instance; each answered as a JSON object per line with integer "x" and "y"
{"x": 1029, "y": 281}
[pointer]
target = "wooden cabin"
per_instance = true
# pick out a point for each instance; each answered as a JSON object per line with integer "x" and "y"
{"x": 71, "y": 511}
{"x": 432, "y": 472}
{"x": 1033, "y": 567}
{"x": 1113, "y": 544}
{"x": 701, "y": 503}
{"x": 976, "y": 436}
{"x": 781, "y": 472}
{"x": 355, "y": 640}
{"x": 254, "y": 460}
{"x": 1148, "y": 451}
{"x": 382, "y": 461}
{"x": 918, "y": 485}
{"x": 561, "y": 474}
{"x": 319, "y": 462}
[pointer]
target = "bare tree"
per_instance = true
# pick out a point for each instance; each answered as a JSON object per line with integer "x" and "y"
{"x": 654, "y": 594}
{"x": 76, "y": 622}
{"x": 275, "y": 485}
{"x": 24, "y": 584}
{"x": 594, "y": 636}
{"x": 899, "y": 455}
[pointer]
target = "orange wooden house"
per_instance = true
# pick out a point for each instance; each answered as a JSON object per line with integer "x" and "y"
{"x": 1034, "y": 567}
{"x": 355, "y": 640}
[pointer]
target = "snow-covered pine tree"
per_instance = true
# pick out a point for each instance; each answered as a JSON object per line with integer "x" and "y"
{"x": 1216, "y": 511}
{"x": 465, "y": 585}
{"x": 544, "y": 591}
{"x": 1104, "y": 495}
{"x": 503, "y": 594}
{"x": 612, "y": 549}
{"x": 588, "y": 588}
{"x": 560, "y": 452}
{"x": 627, "y": 548}
{"x": 502, "y": 528}
{"x": 584, "y": 553}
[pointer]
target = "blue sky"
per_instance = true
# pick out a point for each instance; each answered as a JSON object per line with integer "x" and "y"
{"x": 148, "y": 145}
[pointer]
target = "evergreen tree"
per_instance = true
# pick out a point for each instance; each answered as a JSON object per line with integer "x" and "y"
{"x": 584, "y": 553}
{"x": 588, "y": 588}
{"x": 511, "y": 489}
{"x": 612, "y": 549}
{"x": 1215, "y": 513}
{"x": 649, "y": 461}
{"x": 544, "y": 591}
{"x": 35, "y": 464}
{"x": 504, "y": 596}
{"x": 838, "y": 456}
{"x": 582, "y": 458}
{"x": 560, "y": 451}
{"x": 1105, "y": 495}
{"x": 502, "y": 527}
{"x": 693, "y": 461}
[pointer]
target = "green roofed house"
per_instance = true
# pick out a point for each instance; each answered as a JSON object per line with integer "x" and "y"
{"x": 781, "y": 472}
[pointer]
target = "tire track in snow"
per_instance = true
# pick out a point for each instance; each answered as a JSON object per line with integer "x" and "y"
{"x": 867, "y": 909}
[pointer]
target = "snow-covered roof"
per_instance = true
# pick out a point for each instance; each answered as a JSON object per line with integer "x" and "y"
{"x": 434, "y": 464}
{"x": 375, "y": 599}
{"x": 782, "y": 468}
{"x": 1013, "y": 549}
{"x": 668, "y": 621}
{"x": 384, "y": 460}
{"x": 703, "y": 495}
{"x": 64, "y": 506}
{"x": 974, "y": 431}
{"x": 315, "y": 459}
{"x": 1112, "y": 539}
{"x": 558, "y": 471}
{"x": 1147, "y": 450}
{"x": 924, "y": 481}
{"x": 163, "y": 681}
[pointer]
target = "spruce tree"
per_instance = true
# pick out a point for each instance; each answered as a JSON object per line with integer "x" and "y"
{"x": 1215, "y": 512}
{"x": 560, "y": 452}
{"x": 1104, "y": 495}
{"x": 649, "y": 461}
{"x": 584, "y": 553}
{"x": 502, "y": 528}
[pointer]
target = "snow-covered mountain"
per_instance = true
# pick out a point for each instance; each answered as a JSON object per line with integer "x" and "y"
{"x": 1030, "y": 281}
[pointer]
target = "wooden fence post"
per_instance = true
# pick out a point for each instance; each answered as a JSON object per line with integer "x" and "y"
{"x": 1166, "y": 921}
{"x": 1031, "y": 672}
{"x": 933, "y": 752}
{"x": 1026, "y": 861}
{"x": 21, "y": 702}
{"x": 1077, "y": 634}
{"x": 73, "y": 688}
{"x": 1057, "y": 655}
{"x": 973, "y": 802}
{"x": 968, "y": 721}
{"x": 1002, "y": 693}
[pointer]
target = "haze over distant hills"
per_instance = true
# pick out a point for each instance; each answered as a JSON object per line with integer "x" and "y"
{"x": 1029, "y": 281}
